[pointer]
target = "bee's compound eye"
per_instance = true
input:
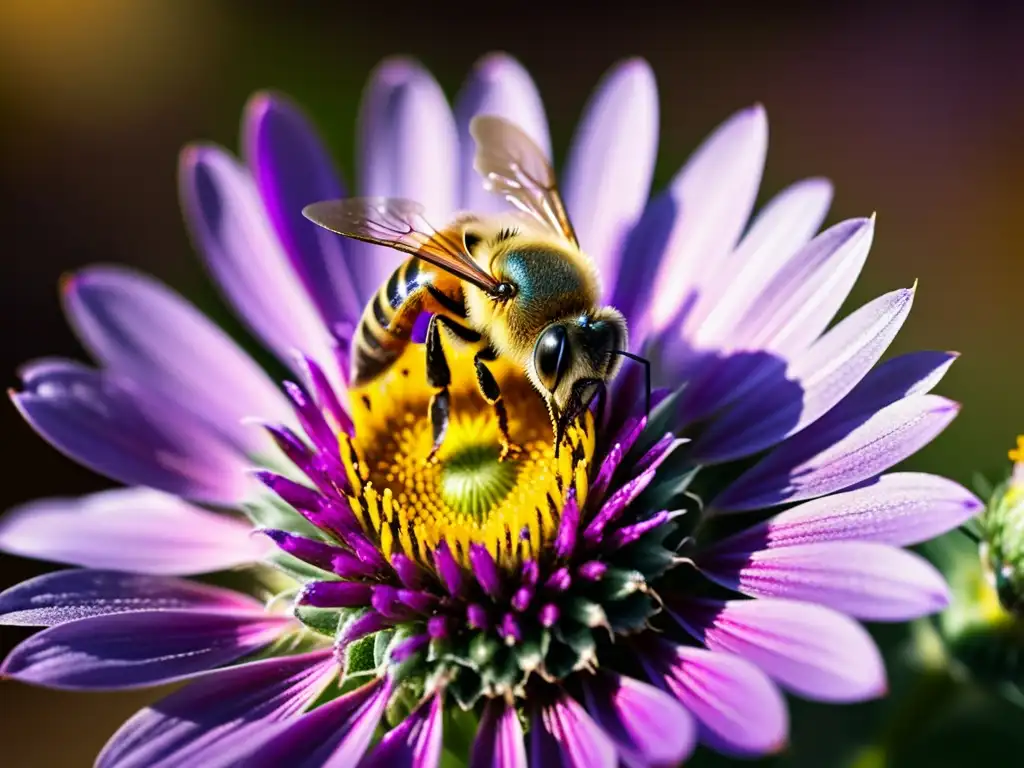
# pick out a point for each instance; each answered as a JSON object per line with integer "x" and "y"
{"x": 551, "y": 356}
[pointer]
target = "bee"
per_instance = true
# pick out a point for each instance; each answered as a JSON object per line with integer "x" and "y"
{"x": 517, "y": 285}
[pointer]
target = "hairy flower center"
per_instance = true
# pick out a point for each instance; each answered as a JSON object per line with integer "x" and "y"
{"x": 467, "y": 494}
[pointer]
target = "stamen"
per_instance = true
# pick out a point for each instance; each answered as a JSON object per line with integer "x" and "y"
{"x": 468, "y": 496}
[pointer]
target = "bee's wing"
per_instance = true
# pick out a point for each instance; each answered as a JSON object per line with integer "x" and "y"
{"x": 512, "y": 165}
{"x": 399, "y": 224}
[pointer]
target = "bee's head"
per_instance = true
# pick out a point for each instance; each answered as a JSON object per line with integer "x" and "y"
{"x": 577, "y": 353}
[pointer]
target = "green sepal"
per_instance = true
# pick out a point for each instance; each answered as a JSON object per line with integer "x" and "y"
{"x": 586, "y": 612}
{"x": 670, "y": 484}
{"x": 648, "y": 554}
{"x": 577, "y": 637}
{"x": 269, "y": 511}
{"x": 561, "y": 660}
{"x": 323, "y": 621}
{"x": 619, "y": 583}
{"x": 466, "y": 686}
{"x": 631, "y": 614}
{"x": 531, "y": 651}
{"x": 381, "y": 646}
{"x": 482, "y": 649}
{"x": 503, "y": 673}
{"x": 460, "y": 727}
{"x": 403, "y": 701}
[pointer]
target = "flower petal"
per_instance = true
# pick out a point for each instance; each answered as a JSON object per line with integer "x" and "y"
{"x": 499, "y": 739}
{"x": 838, "y": 455}
{"x": 498, "y": 85}
{"x": 232, "y": 232}
{"x": 129, "y": 435}
{"x": 562, "y": 735}
{"x": 611, "y": 163}
{"x": 713, "y": 196}
{"x": 902, "y": 508}
{"x": 139, "y": 328}
{"x": 129, "y": 529}
{"x": 862, "y": 579}
{"x": 781, "y": 228}
{"x": 131, "y": 650}
{"x": 814, "y": 383}
{"x": 408, "y": 147}
{"x": 648, "y": 726}
{"x": 810, "y": 650}
{"x": 739, "y": 710}
{"x": 63, "y": 596}
{"x": 413, "y": 743}
{"x": 292, "y": 168}
{"x": 217, "y": 713}
{"x": 334, "y": 735}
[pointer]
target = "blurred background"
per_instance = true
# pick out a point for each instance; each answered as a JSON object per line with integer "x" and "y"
{"x": 915, "y": 112}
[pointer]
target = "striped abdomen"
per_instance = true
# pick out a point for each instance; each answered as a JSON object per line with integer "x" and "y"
{"x": 387, "y": 323}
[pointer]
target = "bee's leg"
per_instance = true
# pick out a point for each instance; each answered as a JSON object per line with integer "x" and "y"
{"x": 492, "y": 394}
{"x": 439, "y": 376}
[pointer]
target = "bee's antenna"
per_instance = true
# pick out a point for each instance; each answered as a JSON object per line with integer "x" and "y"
{"x": 647, "y": 375}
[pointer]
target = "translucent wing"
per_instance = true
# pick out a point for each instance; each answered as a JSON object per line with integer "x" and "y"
{"x": 399, "y": 224}
{"x": 512, "y": 165}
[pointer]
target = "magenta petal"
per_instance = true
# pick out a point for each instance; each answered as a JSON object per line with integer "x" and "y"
{"x": 815, "y": 381}
{"x": 611, "y": 162}
{"x": 739, "y": 710}
{"x": 648, "y": 726}
{"x": 499, "y": 739}
{"x": 713, "y": 195}
{"x": 808, "y": 649}
{"x": 233, "y": 234}
{"x": 901, "y": 509}
{"x": 142, "y": 330}
{"x": 131, "y": 650}
{"x": 128, "y": 434}
{"x": 407, "y": 147}
{"x": 498, "y": 85}
{"x": 129, "y": 529}
{"x": 820, "y": 461}
{"x": 781, "y": 228}
{"x": 563, "y": 735}
{"x": 863, "y": 579}
{"x": 218, "y": 713}
{"x": 334, "y": 735}
{"x": 63, "y": 596}
{"x": 413, "y": 743}
{"x": 292, "y": 169}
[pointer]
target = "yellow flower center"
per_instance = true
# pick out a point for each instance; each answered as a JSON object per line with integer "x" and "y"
{"x": 467, "y": 495}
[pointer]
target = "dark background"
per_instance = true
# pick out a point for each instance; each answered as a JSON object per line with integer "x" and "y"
{"x": 915, "y": 112}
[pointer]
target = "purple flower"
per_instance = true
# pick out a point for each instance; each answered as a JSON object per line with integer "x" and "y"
{"x": 616, "y": 603}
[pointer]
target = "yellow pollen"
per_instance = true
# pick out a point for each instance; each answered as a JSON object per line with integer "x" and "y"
{"x": 1017, "y": 454}
{"x": 466, "y": 495}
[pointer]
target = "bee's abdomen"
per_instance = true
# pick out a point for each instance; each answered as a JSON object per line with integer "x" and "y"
{"x": 387, "y": 322}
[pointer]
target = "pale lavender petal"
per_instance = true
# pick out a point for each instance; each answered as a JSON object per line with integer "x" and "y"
{"x": 713, "y": 196}
{"x": 611, "y": 162}
{"x": 738, "y": 709}
{"x": 217, "y": 713}
{"x": 648, "y": 726}
{"x": 499, "y": 738}
{"x": 805, "y": 294}
{"x": 498, "y": 85}
{"x": 870, "y": 581}
{"x": 63, "y": 596}
{"x": 563, "y": 735}
{"x": 292, "y": 168}
{"x": 815, "y": 381}
{"x": 808, "y": 649}
{"x": 334, "y": 735}
{"x": 414, "y": 743}
{"x": 838, "y": 455}
{"x": 131, "y": 650}
{"x": 129, "y": 435}
{"x": 781, "y": 228}
{"x": 233, "y": 233}
{"x": 141, "y": 329}
{"x": 129, "y": 529}
{"x": 408, "y": 147}
{"x": 902, "y": 508}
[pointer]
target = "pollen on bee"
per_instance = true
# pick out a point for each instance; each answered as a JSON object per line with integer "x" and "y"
{"x": 469, "y": 495}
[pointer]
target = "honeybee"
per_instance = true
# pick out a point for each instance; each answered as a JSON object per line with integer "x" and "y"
{"x": 517, "y": 285}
